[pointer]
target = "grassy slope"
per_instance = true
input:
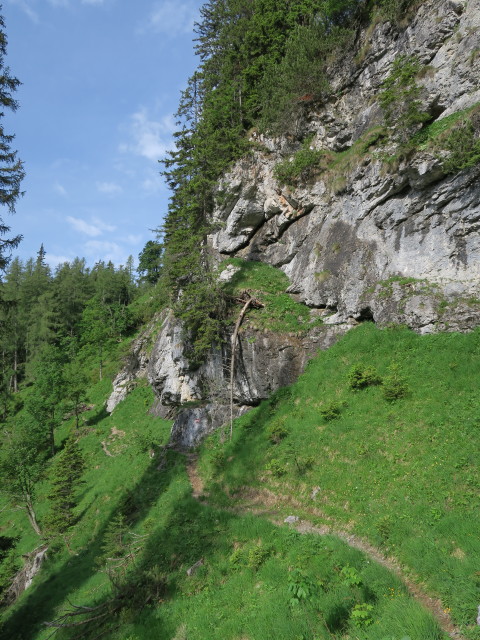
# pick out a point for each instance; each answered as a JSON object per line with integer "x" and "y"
{"x": 402, "y": 474}
{"x": 258, "y": 581}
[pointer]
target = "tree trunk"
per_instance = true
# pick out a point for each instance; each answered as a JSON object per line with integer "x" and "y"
{"x": 32, "y": 516}
{"x": 15, "y": 369}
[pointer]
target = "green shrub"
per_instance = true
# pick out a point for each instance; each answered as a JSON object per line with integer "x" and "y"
{"x": 331, "y": 411}
{"x": 395, "y": 10}
{"x": 276, "y": 432}
{"x": 300, "y": 587}
{"x": 258, "y": 554}
{"x": 302, "y": 165}
{"x": 218, "y": 459}
{"x": 463, "y": 143}
{"x": 395, "y": 386}
{"x": 384, "y": 527}
{"x": 361, "y": 376}
{"x": 276, "y": 467}
{"x": 362, "y": 615}
{"x": 350, "y": 576}
{"x": 399, "y": 98}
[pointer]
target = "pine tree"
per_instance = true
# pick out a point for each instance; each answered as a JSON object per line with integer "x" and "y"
{"x": 65, "y": 475}
{"x": 11, "y": 168}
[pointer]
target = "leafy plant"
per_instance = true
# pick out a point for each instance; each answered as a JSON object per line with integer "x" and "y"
{"x": 350, "y": 576}
{"x": 463, "y": 145}
{"x": 276, "y": 467}
{"x": 300, "y": 587}
{"x": 302, "y": 165}
{"x": 361, "y": 615}
{"x": 258, "y": 554}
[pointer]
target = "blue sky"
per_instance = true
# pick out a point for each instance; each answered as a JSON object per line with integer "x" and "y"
{"x": 101, "y": 82}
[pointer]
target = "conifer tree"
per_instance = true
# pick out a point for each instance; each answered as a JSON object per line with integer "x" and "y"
{"x": 65, "y": 475}
{"x": 11, "y": 168}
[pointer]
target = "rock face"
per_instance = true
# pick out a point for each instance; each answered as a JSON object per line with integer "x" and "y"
{"x": 389, "y": 242}
{"x": 136, "y": 363}
{"x": 199, "y": 399}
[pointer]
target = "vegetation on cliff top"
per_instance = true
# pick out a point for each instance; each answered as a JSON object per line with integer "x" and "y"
{"x": 262, "y": 63}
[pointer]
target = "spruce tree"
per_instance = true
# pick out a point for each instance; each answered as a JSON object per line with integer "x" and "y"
{"x": 65, "y": 475}
{"x": 11, "y": 168}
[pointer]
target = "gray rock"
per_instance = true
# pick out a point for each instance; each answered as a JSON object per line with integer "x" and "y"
{"x": 291, "y": 519}
{"x": 135, "y": 366}
{"x": 378, "y": 242}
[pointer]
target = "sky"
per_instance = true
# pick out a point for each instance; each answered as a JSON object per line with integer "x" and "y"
{"x": 101, "y": 81}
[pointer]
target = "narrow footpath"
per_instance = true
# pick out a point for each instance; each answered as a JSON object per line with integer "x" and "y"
{"x": 256, "y": 507}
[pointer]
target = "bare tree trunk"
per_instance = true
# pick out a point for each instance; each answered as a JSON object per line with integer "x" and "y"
{"x": 232, "y": 361}
{"x": 32, "y": 516}
{"x": 15, "y": 369}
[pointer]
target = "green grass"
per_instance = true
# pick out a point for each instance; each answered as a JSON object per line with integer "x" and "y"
{"x": 257, "y": 580}
{"x": 429, "y": 133}
{"x": 281, "y": 313}
{"x": 403, "y": 474}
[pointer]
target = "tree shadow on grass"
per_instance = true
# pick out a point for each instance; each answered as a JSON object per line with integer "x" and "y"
{"x": 98, "y": 417}
{"x": 186, "y": 535}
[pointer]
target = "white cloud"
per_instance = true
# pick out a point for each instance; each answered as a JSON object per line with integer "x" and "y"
{"x": 133, "y": 239}
{"x": 94, "y": 229}
{"x": 60, "y": 189}
{"x": 107, "y": 251}
{"x": 54, "y": 260}
{"x": 150, "y": 138}
{"x": 171, "y": 18}
{"x": 110, "y": 188}
{"x": 27, "y": 6}
{"x": 27, "y": 9}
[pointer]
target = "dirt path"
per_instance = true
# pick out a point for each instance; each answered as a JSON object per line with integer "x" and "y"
{"x": 263, "y": 503}
{"x": 194, "y": 477}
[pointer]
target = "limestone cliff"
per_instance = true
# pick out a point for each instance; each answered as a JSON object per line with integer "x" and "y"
{"x": 366, "y": 238}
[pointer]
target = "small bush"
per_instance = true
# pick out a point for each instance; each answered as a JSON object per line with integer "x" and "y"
{"x": 350, "y": 576}
{"x": 463, "y": 143}
{"x": 384, "y": 527}
{"x": 361, "y": 376}
{"x": 362, "y": 615}
{"x": 300, "y": 587}
{"x": 395, "y": 386}
{"x": 218, "y": 460}
{"x": 258, "y": 554}
{"x": 331, "y": 411}
{"x": 277, "y": 432}
{"x": 276, "y": 468}
{"x": 399, "y": 98}
{"x": 303, "y": 165}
